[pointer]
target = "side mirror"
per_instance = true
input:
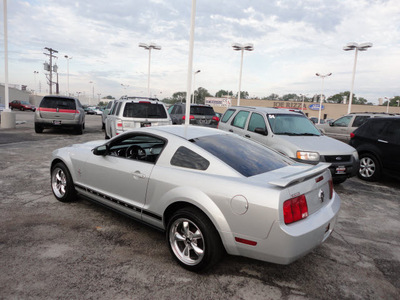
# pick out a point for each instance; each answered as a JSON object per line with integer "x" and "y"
{"x": 101, "y": 150}
{"x": 261, "y": 131}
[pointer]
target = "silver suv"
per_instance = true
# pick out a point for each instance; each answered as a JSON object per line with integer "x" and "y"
{"x": 293, "y": 135}
{"x": 60, "y": 111}
{"x": 128, "y": 113}
{"x": 341, "y": 128}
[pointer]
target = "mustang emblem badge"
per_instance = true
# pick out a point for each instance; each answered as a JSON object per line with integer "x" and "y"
{"x": 321, "y": 195}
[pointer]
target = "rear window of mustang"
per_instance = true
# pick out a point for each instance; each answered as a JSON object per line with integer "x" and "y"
{"x": 246, "y": 157}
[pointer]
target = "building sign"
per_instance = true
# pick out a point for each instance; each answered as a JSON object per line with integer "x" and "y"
{"x": 285, "y": 104}
{"x": 316, "y": 107}
{"x": 225, "y": 102}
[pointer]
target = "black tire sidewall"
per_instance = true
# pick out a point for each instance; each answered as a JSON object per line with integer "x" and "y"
{"x": 213, "y": 245}
{"x": 70, "y": 192}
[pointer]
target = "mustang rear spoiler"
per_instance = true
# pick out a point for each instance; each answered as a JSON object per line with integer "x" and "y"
{"x": 300, "y": 176}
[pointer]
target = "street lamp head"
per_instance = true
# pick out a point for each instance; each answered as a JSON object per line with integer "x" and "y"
{"x": 238, "y": 47}
{"x": 359, "y": 47}
{"x": 155, "y": 46}
{"x": 143, "y": 45}
{"x": 198, "y": 71}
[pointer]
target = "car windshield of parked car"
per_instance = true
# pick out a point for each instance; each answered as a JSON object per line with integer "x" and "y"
{"x": 292, "y": 125}
{"x": 202, "y": 110}
{"x": 144, "y": 110}
{"x": 247, "y": 158}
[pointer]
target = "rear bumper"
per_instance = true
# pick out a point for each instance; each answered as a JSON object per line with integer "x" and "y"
{"x": 287, "y": 243}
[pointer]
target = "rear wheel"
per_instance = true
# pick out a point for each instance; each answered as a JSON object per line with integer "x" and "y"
{"x": 79, "y": 129}
{"x": 370, "y": 168}
{"x": 193, "y": 240}
{"x": 62, "y": 184}
{"x": 38, "y": 128}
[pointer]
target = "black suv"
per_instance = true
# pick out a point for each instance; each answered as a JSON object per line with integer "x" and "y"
{"x": 199, "y": 114}
{"x": 378, "y": 144}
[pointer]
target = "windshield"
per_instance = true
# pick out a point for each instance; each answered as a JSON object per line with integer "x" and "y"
{"x": 291, "y": 125}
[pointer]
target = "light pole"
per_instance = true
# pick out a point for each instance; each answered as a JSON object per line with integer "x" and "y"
{"x": 68, "y": 58}
{"x": 194, "y": 85}
{"x": 322, "y": 92}
{"x": 92, "y": 91}
{"x": 241, "y": 47}
{"x": 34, "y": 79}
{"x": 149, "y": 47}
{"x": 302, "y": 102}
{"x": 357, "y": 47}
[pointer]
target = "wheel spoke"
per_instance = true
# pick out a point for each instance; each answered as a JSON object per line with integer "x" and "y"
{"x": 197, "y": 250}
{"x": 179, "y": 237}
{"x": 185, "y": 226}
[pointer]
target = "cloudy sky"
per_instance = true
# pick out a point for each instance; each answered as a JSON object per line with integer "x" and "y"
{"x": 292, "y": 39}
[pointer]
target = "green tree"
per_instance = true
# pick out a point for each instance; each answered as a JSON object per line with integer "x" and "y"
{"x": 108, "y": 97}
{"x": 200, "y": 95}
{"x": 243, "y": 95}
{"x": 338, "y": 98}
{"x": 393, "y": 101}
{"x": 271, "y": 97}
{"x": 290, "y": 97}
{"x": 222, "y": 93}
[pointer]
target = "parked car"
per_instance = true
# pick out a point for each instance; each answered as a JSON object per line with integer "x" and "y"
{"x": 203, "y": 115}
{"x": 209, "y": 191}
{"x": 378, "y": 144}
{"x": 105, "y": 113}
{"x": 293, "y": 135}
{"x": 21, "y": 105}
{"x": 133, "y": 112}
{"x": 60, "y": 111}
{"x": 341, "y": 128}
{"x": 92, "y": 110}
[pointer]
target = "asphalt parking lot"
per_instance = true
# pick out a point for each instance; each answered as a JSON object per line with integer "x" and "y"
{"x": 54, "y": 250}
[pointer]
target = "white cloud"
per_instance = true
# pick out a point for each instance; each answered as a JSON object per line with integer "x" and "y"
{"x": 293, "y": 40}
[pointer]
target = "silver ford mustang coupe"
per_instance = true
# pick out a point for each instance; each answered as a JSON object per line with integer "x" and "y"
{"x": 210, "y": 191}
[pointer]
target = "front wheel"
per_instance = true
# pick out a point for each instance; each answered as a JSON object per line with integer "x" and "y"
{"x": 370, "y": 168}
{"x": 193, "y": 240}
{"x": 62, "y": 184}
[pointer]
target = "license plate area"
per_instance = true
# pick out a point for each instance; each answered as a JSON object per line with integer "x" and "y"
{"x": 56, "y": 122}
{"x": 145, "y": 124}
{"x": 340, "y": 170}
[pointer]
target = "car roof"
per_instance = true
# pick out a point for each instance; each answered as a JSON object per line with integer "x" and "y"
{"x": 137, "y": 99}
{"x": 187, "y": 132}
{"x": 267, "y": 110}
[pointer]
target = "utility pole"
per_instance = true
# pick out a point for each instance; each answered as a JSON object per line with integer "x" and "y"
{"x": 50, "y": 67}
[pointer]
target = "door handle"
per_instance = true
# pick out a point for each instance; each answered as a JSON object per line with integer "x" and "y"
{"x": 230, "y": 130}
{"x": 138, "y": 175}
{"x": 247, "y": 135}
{"x": 383, "y": 141}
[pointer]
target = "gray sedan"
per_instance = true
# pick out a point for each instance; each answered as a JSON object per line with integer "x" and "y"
{"x": 209, "y": 190}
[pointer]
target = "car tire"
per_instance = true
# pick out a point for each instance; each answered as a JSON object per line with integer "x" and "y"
{"x": 22, "y": 109}
{"x": 62, "y": 184}
{"x": 193, "y": 240}
{"x": 38, "y": 128}
{"x": 103, "y": 126}
{"x": 106, "y": 135}
{"x": 370, "y": 167}
{"x": 79, "y": 129}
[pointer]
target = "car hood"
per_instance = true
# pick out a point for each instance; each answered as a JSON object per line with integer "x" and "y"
{"x": 324, "y": 145}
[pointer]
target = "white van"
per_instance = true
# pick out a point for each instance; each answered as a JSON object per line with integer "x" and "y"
{"x": 293, "y": 135}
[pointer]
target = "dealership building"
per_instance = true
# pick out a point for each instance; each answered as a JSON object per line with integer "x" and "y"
{"x": 311, "y": 109}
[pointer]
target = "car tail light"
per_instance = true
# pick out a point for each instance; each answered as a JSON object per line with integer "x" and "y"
{"x": 190, "y": 117}
{"x": 330, "y": 188}
{"x": 352, "y": 135}
{"x": 144, "y": 102}
{"x": 119, "y": 124}
{"x": 215, "y": 118}
{"x": 295, "y": 209}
